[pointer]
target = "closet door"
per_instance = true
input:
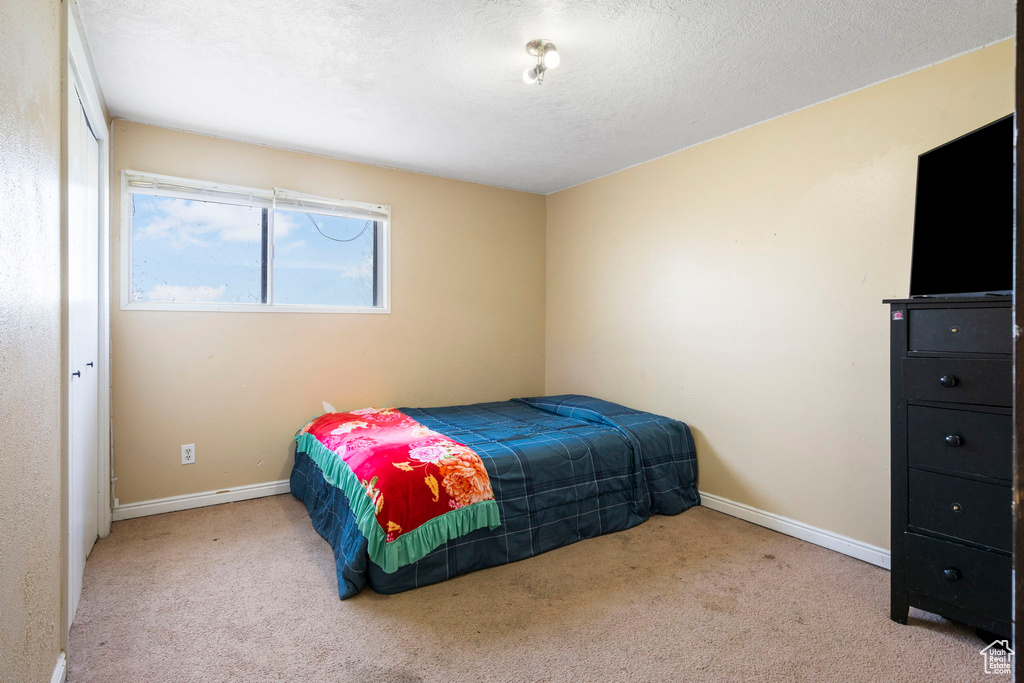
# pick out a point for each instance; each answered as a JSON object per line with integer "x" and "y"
{"x": 83, "y": 345}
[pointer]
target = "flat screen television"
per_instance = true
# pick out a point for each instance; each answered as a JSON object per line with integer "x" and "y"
{"x": 963, "y": 220}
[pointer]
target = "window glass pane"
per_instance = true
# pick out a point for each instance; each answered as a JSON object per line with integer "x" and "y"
{"x": 188, "y": 250}
{"x": 323, "y": 260}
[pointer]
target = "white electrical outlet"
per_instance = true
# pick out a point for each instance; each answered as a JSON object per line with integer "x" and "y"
{"x": 188, "y": 454}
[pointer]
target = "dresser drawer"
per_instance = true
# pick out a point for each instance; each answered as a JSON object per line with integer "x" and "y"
{"x": 960, "y": 330}
{"x": 961, "y": 508}
{"x": 973, "y": 579}
{"x": 958, "y": 380}
{"x": 961, "y": 441}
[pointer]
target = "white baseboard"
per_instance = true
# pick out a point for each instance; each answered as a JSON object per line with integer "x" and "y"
{"x": 60, "y": 671}
{"x": 805, "y": 532}
{"x": 198, "y": 500}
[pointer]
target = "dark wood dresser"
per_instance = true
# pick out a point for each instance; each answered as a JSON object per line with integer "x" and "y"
{"x": 952, "y": 392}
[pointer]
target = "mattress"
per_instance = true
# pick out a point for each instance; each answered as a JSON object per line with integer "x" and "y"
{"x": 563, "y": 468}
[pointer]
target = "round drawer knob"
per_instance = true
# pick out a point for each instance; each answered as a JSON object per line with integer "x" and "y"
{"x": 948, "y": 381}
{"x": 957, "y": 507}
{"x": 951, "y": 574}
{"x": 953, "y": 441}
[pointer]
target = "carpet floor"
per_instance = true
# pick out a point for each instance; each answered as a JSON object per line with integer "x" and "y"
{"x": 247, "y": 592}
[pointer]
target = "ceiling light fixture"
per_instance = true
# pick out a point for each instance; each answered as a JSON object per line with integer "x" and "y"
{"x": 547, "y": 58}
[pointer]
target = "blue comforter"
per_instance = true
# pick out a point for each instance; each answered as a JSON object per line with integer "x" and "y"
{"x": 563, "y": 468}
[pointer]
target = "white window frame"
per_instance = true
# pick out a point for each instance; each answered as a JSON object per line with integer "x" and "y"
{"x": 267, "y": 198}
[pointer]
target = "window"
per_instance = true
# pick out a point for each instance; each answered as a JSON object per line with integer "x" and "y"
{"x": 189, "y": 245}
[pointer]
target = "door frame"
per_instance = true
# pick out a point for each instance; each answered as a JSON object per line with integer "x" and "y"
{"x": 80, "y": 86}
{"x": 1018, "y": 357}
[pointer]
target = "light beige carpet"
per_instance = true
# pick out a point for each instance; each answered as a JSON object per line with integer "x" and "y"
{"x": 247, "y": 592}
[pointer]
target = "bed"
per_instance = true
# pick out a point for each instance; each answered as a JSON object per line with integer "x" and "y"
{"x": 562, "y": 468}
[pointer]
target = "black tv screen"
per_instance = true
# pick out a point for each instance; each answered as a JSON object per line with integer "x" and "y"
{"x": 963, "y": 220}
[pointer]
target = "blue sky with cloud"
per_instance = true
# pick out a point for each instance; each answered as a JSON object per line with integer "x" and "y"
{"x": 198, "y": 251}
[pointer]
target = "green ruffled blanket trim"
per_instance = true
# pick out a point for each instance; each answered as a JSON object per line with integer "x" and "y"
{"x": 411, "y": 546}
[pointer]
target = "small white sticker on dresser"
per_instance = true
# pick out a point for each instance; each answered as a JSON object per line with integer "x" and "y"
{"x": 897, "y": 315}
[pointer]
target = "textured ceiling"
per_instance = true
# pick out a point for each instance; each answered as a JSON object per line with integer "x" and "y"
{"x": 436, "y": 87}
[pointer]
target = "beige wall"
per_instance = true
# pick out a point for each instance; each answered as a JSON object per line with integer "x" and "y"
{"x": 737, "y": 285}
{"x": 30, "y": 339}
{"x": 467, "y": 322}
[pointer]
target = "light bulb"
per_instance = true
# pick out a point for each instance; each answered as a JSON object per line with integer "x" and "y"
{"x": 530, "y": 75}
{"x": 552, "y": 58}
